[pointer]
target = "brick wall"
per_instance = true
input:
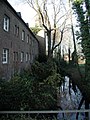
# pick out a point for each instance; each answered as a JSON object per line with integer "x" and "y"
{"x": 12, "y": 41}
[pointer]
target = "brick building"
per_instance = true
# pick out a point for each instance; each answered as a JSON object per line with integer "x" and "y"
{"x": 18, "y": 45}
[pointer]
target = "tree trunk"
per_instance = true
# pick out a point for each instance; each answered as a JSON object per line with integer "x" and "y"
{"x": 81, "y": 102}
{"x": 49, "y": 43}
{"x": 69, "y": 54}
{"x": 86, "y": 107}
{"x": 75, "y": 52}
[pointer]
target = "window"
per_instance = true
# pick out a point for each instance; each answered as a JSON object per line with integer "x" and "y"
{"x": 22, "y": 56}
{"x": 29, "y": 57}
{"x": 5, "y": 56}
{"x": 6, "y": 23}
{"x": 27, "y": 38}
{"x": 15, "y": 56}
{"x": 16, "y": 30}
{"x": 23, "y": 35}
{"x": 30, "y": 40}
{"x": 26, "y": 57}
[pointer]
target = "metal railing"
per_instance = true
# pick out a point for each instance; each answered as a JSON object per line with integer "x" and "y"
{"x": 27, "y": 115}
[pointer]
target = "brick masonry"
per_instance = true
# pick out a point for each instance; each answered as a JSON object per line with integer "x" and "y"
{"x": 14, "y": 43}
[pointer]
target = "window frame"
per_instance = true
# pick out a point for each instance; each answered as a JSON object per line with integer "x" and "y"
{"x": 5, "y": 56}
{"x": 26, "y": 57}
{"x": 22, "y": 56}
{"x": 27, "y": 38}
{"x": 23, "y": 35}
{"x": 15, "y": 56}
{"x": 29, "y": 57}
{"x": 16, "y": 30}
{"x": 6, "y": 23}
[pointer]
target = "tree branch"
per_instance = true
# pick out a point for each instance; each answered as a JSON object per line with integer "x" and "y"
{"x": 59, "y": 42}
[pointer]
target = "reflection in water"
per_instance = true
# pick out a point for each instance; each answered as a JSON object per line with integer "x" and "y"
{"x": 69, "y": 100}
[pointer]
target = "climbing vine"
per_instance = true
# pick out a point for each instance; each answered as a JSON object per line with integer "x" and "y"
{"x": 82, "y": 10}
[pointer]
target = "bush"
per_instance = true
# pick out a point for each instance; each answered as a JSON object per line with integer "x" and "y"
{"x": 32, "y": 90}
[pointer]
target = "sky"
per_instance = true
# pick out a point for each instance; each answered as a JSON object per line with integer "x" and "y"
{"x": 27, "y": 13}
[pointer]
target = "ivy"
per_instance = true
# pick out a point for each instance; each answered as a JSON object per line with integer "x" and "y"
{"x": 82, "y": 10}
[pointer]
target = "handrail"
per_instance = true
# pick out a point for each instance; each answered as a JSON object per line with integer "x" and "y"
{"x": 44, "y": 111}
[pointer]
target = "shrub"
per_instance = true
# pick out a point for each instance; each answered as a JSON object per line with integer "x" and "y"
{"x": 32, "y": 90}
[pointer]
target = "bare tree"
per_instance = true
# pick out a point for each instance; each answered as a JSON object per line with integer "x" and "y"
{"x": 52, "y": 15}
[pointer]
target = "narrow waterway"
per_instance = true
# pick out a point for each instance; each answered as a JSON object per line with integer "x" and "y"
{"x": 70, "y": 101}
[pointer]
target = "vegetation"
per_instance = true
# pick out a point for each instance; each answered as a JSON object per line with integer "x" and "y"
{"x": 83, "y": 15}
{"x": 35, "y": 29}
{"x": 51, "y": 22}
{"x": 82, "y": 10}
{"x": 37, "y": 89}
{"x": 32, "y": 90}
{"x": 24, "y": 117}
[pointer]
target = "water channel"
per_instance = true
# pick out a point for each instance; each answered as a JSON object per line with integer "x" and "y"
{"x": 70, "y": 101}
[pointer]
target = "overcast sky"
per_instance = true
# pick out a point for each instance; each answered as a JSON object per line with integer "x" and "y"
{"x": 27, "y": 13}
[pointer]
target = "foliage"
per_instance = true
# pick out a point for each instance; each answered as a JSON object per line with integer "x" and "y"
{"x": 35, "y": 30}
{"x": 82, "y": 9}
{"x": 15, "y": 94}
{"x": 32, "y": 90}
{"x": 83, "y": 17}
{"x": 42, "y": 71}
{"x": 25, "y": 117}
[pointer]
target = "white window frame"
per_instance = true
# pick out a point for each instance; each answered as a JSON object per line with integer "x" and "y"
{"x": 26, "y": 57}
{"x": 27, "y": 38}
{"x": 29, "y": 57}
{"x": 5, "y": 56}
{"x": 6, "y": 23}
{"x": 22, "y": 56}
{"x": 23, "y": 35}
{"x": 30, "y": 41}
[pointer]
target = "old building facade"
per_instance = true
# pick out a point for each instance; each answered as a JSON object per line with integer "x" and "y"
{"x": 18, "y": 45}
